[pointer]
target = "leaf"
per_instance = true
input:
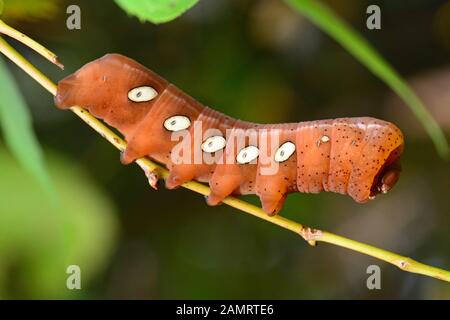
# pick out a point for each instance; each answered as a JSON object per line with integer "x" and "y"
{"x": 324, "y": 18}
{"x": 17, "y": 129}
{"x": 1, "y": 7}
{"x": 156, "y": 11}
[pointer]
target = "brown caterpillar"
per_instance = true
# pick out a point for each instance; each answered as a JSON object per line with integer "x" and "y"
{"x": 354, "y": 156}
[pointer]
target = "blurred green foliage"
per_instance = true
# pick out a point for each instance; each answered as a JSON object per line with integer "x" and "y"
{"x": 15, "y": 122}
{"x": 156, "y": 11}
{"x": 30, "y": 10}
{"x": 40, "y": 239}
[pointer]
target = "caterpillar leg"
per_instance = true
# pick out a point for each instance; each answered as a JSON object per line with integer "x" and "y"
{"x": 214, "y": 199}
{"x": 179, "y": 174}
{"x": 222, "y": 185}
{"x": 272, "y": 192}
{"x": 136, "y": 149}
{"x": 272, "y": 203}
{"x": 127, "y": 156}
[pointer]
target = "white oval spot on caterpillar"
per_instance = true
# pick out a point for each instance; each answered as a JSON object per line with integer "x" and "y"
{"x": 323, "y": 139}
{"x": 214, "y": 144}
{"x": 177, "y": 123}
{"x": 247, "y": 154}
{"x": 142, "y": 94}
{"x": 284, "y": 151}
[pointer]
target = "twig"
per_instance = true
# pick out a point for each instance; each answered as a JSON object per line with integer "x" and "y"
{"x": 19, "y": 36}
{"x": 309, "y": 234}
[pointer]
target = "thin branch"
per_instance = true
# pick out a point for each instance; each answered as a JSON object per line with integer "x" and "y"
{"x": 309, "y": 234}
{"x": 19, "y": 36}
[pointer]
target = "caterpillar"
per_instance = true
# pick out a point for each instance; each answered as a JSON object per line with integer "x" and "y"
{"x": 355, "y": 156}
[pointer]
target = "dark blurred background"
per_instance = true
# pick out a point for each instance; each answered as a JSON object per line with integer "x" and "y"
{"x": 256, "y": 60}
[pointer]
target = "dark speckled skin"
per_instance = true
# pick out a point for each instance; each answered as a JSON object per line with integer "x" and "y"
{"x": 359, "y": 156}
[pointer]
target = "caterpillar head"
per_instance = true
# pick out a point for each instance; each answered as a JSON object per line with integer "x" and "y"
{"x": 388, "y": 175}
{"x": 114, "y": 88}
{"x": 376, "y": 147}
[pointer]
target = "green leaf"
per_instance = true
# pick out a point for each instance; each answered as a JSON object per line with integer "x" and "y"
{"x": 156, "y": 11}
{"x": 1, "y": 7}
{"x": 324, "y": 18}
{"x": 17, "y": 129}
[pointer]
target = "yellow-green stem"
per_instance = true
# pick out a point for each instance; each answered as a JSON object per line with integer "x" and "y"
{"x": 19, "y": 36}
{"x": 309, "y": 234}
